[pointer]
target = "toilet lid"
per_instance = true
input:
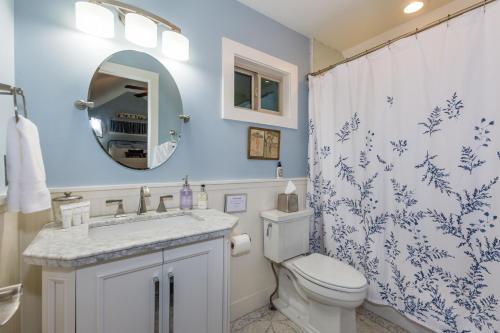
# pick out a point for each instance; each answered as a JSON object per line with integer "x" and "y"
{"x": 330, "y": 272}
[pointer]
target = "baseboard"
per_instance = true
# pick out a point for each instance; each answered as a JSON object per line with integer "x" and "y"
{"x": 250, "y": 303}
{"x": 395, "y": 317}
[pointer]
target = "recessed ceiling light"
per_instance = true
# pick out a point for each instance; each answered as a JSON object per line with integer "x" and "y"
{"x": 413, "y": 7}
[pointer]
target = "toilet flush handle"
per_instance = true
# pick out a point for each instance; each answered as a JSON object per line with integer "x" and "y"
{"x": 269, "y": 227}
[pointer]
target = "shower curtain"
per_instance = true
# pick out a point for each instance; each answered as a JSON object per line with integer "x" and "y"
{"x": 404, "y": 164}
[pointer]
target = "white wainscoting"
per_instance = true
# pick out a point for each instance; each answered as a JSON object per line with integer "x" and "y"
{"x": 252, "y": 280}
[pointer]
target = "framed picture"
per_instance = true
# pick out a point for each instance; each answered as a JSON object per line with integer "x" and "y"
{"x": 263, "y": 144}
{"x": 235, "y": 203}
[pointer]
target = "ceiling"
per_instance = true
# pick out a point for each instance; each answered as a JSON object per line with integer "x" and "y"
{"x": 340, "y": 24}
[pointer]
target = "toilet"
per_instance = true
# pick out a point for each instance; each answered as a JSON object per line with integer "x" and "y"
{"x": 317, "y": 292}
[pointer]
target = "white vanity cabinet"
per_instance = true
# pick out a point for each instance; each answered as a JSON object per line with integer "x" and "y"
{"x": 154, "y": 273}
{"x": 174, "y": 291}
{"x": 177, "y": 290}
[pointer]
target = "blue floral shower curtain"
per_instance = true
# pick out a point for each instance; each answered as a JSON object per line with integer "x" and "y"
{"x": 404, "y": 165}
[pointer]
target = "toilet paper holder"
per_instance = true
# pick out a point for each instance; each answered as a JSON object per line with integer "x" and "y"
{"x": 232, "y": 243}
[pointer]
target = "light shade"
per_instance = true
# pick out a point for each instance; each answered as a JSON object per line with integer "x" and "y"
{"x": 413, "y": 7}
{"x": 141, "y": 30}
{"x": 94, "y": 19}
{"x": 175, "y": 45}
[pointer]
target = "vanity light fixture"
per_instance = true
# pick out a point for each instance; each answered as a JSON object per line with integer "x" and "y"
{"x": 141, "y": 27}
{"x": 413, "y": 7}
{"x": 175, "y": 45}
{"x": 141, "y": 30}
{"x": 94, "y": 19}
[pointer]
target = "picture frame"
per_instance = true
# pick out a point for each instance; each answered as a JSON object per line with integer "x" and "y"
{"x": 263, "y": 144}
{"x": 235, "y": 203}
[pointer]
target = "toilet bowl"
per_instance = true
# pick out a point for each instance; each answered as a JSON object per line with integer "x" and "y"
{"x": 321, "y": 293}
{"x": 317, "y": 292}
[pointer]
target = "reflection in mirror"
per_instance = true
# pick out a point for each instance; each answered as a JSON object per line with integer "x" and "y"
{"x": 135, "y": 117}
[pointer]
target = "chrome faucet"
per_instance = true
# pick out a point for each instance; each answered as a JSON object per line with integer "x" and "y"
{"x": 142, "y": 201}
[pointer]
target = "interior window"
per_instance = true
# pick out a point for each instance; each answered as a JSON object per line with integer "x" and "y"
{"x": 243, "y": 87}
{"x": 269, "y": 95}
{"x": 256, "y": 91}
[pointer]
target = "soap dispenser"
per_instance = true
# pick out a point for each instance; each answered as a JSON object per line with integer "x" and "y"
{"x": 203, "y": 198}
{"x": 186, "y": 195}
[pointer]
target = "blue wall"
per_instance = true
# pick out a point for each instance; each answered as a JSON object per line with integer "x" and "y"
{"x": 55, "y": 63}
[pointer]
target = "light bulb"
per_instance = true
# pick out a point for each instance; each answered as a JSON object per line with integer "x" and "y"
{"x": 141, "y": 30}
{"x": 413, "y": 7}
{"x": 175, "y": 45}
{"x": 94, "y": 19}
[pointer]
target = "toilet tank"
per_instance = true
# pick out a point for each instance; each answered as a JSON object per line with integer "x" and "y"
{"x": 286, "y": 235}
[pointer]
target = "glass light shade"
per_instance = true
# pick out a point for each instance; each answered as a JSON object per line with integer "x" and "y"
{"x": 94, "y": 19}
{"x": 175, "y": 45}
{"x": 141, "y": 30}
{"x": 413, "y": 7}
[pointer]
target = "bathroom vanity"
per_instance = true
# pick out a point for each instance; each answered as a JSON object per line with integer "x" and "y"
{"x": 158, "y": 272}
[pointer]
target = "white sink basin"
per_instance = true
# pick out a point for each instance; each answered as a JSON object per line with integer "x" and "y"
{"x": 133, "y": 229}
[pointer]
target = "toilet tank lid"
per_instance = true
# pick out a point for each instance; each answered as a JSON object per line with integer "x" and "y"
{"x": 279, "y": 216}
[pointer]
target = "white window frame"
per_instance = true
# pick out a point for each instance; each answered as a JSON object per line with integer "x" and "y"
{"x": 239, "y": 55}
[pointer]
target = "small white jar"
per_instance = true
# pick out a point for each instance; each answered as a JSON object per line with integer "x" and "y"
{"x": 77, "y": 216}
{"x": 66, "y": 216}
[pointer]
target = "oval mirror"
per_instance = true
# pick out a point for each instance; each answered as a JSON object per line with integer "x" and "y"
{"x": 136, "y": 109}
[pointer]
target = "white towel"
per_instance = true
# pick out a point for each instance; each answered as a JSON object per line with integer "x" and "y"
{"x": 162, "y": 152}
{"x": 27, "y": 191}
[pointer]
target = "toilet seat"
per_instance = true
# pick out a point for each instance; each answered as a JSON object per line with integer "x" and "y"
{"x": 328, "y": 280}
{"x": 329, "y": 273}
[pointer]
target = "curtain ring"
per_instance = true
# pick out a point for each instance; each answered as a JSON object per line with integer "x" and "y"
{"x": 448, "y": 21}
{"x": 416, "y": 33}
{"x": 484, "y": 6}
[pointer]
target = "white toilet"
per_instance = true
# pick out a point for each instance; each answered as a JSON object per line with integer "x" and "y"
{"x": 317, "y": 292}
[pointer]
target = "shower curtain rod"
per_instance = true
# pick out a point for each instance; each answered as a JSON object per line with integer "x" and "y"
{"x": 408, "y": 34}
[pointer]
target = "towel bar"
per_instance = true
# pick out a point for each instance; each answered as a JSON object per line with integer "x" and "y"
{"x": 5, "y": 89}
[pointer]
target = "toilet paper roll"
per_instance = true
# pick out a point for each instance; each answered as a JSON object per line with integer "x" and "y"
{"x": 240, "y": 244}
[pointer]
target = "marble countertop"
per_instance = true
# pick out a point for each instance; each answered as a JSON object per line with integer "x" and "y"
{"x": 110, "y": 238}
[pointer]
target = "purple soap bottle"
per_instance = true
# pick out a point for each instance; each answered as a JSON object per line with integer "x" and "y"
{"x": 186, "y": 195}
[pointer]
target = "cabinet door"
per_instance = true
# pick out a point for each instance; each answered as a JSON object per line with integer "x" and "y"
{"x": 193, "y": 285}
{"x": 123, "y": 296}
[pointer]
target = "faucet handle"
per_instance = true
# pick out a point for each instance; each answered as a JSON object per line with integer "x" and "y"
{"x": 119, "y": 211}
{"x": 161, "y": 206}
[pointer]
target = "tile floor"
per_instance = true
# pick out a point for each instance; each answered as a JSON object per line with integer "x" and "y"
{"x": 266, "y": 321}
